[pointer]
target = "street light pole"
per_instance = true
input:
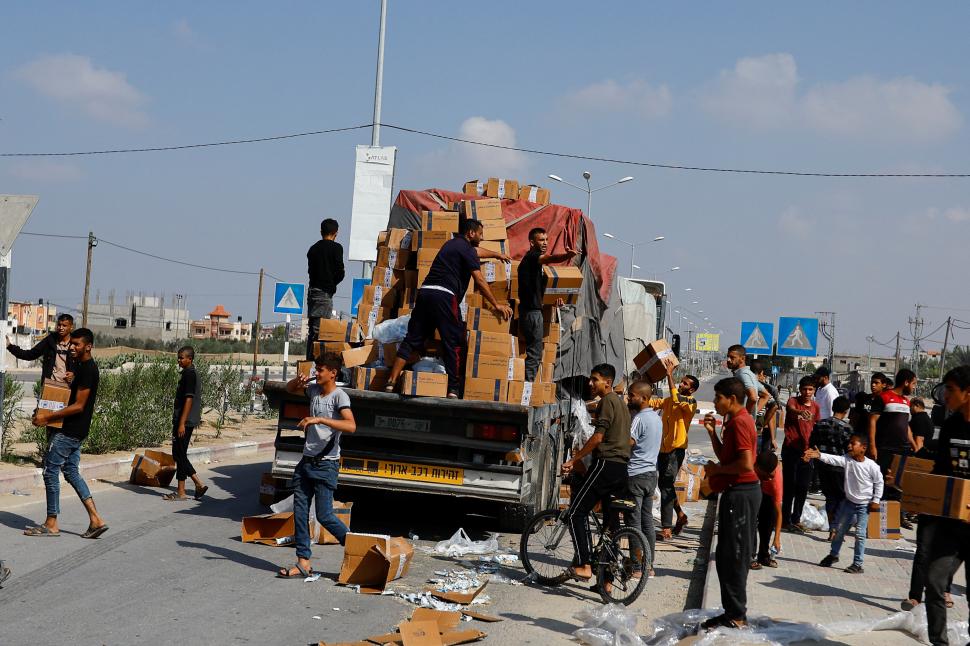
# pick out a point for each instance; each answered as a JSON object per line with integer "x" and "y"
{"x": 375, "y": 138}
{"x": 589, "y": 189}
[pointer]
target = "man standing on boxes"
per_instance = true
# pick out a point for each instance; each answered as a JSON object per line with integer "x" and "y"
{"x": 532, "y": 289}
{"x": 64, "y": 450}
{"x": 436, "y": 306}
{"x": 325, "y": 266}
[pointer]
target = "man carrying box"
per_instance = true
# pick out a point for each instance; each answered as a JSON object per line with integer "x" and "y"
{"x": 436, "y": 307}
{"x": 532, "y": 288}
{"x": 325, "y": 266}
{"x": 315, "y": 477}
{"x": 677, "y": 412}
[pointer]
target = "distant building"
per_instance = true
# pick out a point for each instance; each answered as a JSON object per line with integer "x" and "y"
{"x": 140, "y": 316}
{"x": 863, "y": 363}
{"x": 218, "y": 326}
{"x": 35, "y": 319}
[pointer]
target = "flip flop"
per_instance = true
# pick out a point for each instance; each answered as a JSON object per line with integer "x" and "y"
{"x": 755, "y": 565}
{"x": 721, "y": 621}
{"x": 40, "y": 530}
{"x": 95, "y": 532}
{"x": 173, "y": 497}
{"x": 201, "y": 492}
{"x": 680, "y": 525}
{"x": 571, "y": 573}
{"x": 284, "y": 573}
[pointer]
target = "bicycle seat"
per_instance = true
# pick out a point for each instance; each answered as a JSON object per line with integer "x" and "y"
{"x": 622, "y": 504}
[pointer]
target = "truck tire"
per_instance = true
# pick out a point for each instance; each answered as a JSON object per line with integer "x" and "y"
{"x": 513, "y": 517}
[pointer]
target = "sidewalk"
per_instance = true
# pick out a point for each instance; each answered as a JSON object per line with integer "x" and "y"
{"x": 800, "y": 590}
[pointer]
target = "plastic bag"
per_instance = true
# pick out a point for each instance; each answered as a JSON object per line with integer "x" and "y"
{"x": 461, "y": 544}
{"x": 912, "y": 622}
{"x": 812, "y": 518}
{"x": 584, "y": 429}
{"x": 608, "y": 625}
{"x": 392, "y": 330}
{"x": 429, "y": 364}
{"x": 670, "y": 629}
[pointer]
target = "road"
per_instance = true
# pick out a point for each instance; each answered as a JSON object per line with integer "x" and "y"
{"x": 178, "y": 572}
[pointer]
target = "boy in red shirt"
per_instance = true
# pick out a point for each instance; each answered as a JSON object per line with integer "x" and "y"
{"x": 801, "y": 413}
{"x": 769, "y": 515}
{"x": 734, "y": 478}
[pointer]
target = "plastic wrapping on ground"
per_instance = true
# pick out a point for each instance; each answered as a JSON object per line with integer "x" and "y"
{"x": 912, "y": 622}
{"x": 429, "y": 364}
{"x": 608, "y": 625}
{"x": 461, "y": 544}
{"x": 814, "y": 519}
{"x": 391, "y": 331}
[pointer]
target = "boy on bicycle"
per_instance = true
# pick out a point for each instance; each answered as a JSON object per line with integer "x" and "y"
{"x": 610, "y": 447}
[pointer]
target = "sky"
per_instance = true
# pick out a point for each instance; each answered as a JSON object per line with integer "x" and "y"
{"x": 872, "y": 87}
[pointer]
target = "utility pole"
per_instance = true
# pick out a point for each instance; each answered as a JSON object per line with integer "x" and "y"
{"x": 375, "y": 138}
{"x": 92, "y": 243}
{"x": 946, "y": 338}
{"x": 827, "y": 328}
{"x": 259, "y": 314}
{"x": 897, "y": 352}
{"x": 916, "y": 324}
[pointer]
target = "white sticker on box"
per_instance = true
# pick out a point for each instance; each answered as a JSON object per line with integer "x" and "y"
{"x": 526, "y": 393}
{"x": 371, "y": 321}
{"x": 479, "y": 188}
{"x": 464, "y": 310}
{"x": 406, "y": 241}
{"x": 660, "y": 356}
{"x": 511, "y": 376}
{"x": 533, "y": 193}
{"x": 50, "y": 404}
{"x": 508, "y": 271}
{"x": 388, "y": 277}
{"x": 489, "y": 272}
{"x": 501, "y": 188}
{"x": 883, "y": 518}
{"x": 392, "y": 258}
{"x": 378, "y": 295}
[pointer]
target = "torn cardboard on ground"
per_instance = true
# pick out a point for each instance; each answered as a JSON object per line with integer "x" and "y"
{"x": 371, "y": 561}
{"x": 153, "y": 469}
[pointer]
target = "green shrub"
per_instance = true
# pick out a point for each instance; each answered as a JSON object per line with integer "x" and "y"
{"x": 10, "y": 412}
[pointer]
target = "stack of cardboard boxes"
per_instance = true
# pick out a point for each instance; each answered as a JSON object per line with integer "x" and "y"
{"x": 494, "y": 367}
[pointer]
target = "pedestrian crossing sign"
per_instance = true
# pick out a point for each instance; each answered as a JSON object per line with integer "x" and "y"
{"x": 289, "y": 298}
{"x": 757, "y": 336}
{"x": 797, "y": 336}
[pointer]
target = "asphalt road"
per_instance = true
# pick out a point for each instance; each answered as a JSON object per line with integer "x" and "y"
{"x": 178, "y": 573}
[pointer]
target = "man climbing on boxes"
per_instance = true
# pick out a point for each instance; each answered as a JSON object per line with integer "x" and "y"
{"x": 325, "y": 267}
{"x": 532, "y": 289}
{"x": 436, "y": 306}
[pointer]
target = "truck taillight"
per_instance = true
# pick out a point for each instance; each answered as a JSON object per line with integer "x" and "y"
{"x": 495, "y": 432}
{"x": 292, "y": 410}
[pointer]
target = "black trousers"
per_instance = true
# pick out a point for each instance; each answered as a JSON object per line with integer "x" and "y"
{"x": 925, "y": 531}
{"x": 885, "y": 461}
{"x": 949, "y": 549}
{"x": 437, "y": 310}
{"x": 180, "y": 452}
{"x": 530, "y": 325}
{"x": 668, "y": 464}
{"x": 737, "y": 516}
{"x": 796, "y": 477}
{"x": 766, "y": 525}
{"x": 603, "y": 480}
{"x": 833, "y": 486}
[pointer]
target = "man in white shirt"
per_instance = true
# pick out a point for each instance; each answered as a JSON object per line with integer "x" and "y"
{"x": 825, "y": 392}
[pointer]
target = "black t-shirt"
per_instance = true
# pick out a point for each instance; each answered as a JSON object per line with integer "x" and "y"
{"x": 532, "y": 282}
{"x": 325, "y": 265}
{"x": 922, "y": 426}
{"x": 953, "y": 448}
{"x": 86, "y": 377}
{"x": 190, "y": 386}
{"x": 892, "y": 427}
{"x": 453, "y": 266}
{"x": 861, "y": 408}
{"x": 831, "y": 436}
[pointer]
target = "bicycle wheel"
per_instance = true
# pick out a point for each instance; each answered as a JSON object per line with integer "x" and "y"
{"x": 546, "y": 549}
{"x": 621, "y": 569}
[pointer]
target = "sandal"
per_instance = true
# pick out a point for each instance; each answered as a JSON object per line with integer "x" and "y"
{"x": 571, "y": 573}
{"x": 769, "y": 563}
{"x": 40, "y": 530}
{"x": 174, "y": 497}
{"x": 201, "y": 492}
{"x": 94, "y": 532}
{"x": 721, "y": 621}
{"x": 389, "y": 388}
{"x": 680, "y": 524}
{"x": 755, "y": 565}
{"x": 909, "y": 604}
{"x": 284, "y": 573}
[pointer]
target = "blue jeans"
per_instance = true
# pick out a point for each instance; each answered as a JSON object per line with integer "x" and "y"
{"x": 850, "y": 514}
{"x": 64, "y": 454}
{"x": 315, "y": 482}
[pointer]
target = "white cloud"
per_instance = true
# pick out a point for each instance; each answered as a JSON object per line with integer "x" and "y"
{"x": 794, "y": 224}
{"x": 637, "y": 97}
{"x": 763, "y": 93}
{"x": 184, "y": 33}
{"x": 483, "y": 159}
{"x": 957, "y": 214}
{"x": 45, "y": 171}
{"x": 97, "y": 92}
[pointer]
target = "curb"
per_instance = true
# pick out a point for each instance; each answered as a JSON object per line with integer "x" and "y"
{"x": 121, "y": 466}
{"x": 701, "y": 574}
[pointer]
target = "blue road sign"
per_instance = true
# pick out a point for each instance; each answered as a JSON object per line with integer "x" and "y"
{"x": 797, "y": 336}
{"x": 757, "y": 336}
{"x": 357, "y": 293}
{"x": 289, "y": 298}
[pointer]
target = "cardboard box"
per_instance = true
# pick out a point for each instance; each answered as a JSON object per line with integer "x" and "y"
{"x": 379, "y": 296}
{"x": 54, "y": 396}
{"x": 430, "y": 239}
{"x": 885, "y": 522}
{"x": 688, "y": 483}
{"x": 565, "y": 495}
{"x": 525, "y": 393}
{"x": 473, "y": 187}
{"x": 369, "y": 316}
{"x": 395, "y": 238}
{"x": 496, "y": 272}
{"x": 503, "y": 189}
{"x": 553, "y": 299}
{"x": 269, "y": 529}
{"x": 305, "y": 368}
{"x": 389, "y": 277}
{"x": 485, "y": 320}
{"x": 439, "y": 221}
{"x": 153, "y": 469}
{"x": 484, "y": 389}
{"x": 485, "y": 211}
{"x": 325, "y": 347}
{"x": 319, "y": 533}
{"x": 905, "y": 464}
{"x": 370, "y": 378}
{"x": 534, "y": 194}
{"x": 336, "y": 330}
{"x": 273, "y": 489}
{"x": 374, "y": 560}
{"x": 563, "y": 280}
{"x": 550, "y": 352}
{"x": 494, "y": 231}
{"x": 926, "y": 493}
{"x": 473, "y": 300}
{"x": 424, "y": 384}
{"x": 486, "y": 366}
{"x": 547, "y": 373}
{"x": 370, "y": 353}
{"x": 498, "y": 246}
{"x": 549, "y": 392}
{"x": 655, "y": 360}
{"x": 496, "y": 344}
{"x": 393, "y": 257}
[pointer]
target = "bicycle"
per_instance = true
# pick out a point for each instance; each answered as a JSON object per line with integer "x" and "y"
{"x": 619, "y": 554}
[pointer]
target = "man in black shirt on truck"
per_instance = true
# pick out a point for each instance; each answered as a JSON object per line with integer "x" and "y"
{"x": 532, "y": 289}
{"x": 325, "y": 266}
{"x": 64, "y": 451}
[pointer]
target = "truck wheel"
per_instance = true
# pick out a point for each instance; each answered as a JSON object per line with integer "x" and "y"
{"x": 513, "y": 517}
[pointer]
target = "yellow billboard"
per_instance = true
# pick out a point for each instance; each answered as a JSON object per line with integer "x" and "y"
{"x": 707, "y": 342}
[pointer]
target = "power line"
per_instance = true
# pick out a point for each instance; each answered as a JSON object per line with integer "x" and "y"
{"x": 51, "y": 235}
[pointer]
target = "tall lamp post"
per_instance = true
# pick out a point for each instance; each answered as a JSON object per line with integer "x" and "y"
{"x": 589, "y": 189}
{"x": 633, "y": 247}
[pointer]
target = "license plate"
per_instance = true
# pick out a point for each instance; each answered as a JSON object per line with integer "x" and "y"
{"x": 402, "y": 471}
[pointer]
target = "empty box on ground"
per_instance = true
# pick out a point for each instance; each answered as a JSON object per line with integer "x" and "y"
{"x": 374, "y": 560}
{"x": 319, "y": 533}
{"x": 424, "y": 384}
{"x": 273, "y": 489}
{"x": 885, "y": 522}
{"x": 269, "y": 529}
{"x": 655, "y": 359}
{"x": 54, "y": 396}
{"x": 153, "y": 469}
